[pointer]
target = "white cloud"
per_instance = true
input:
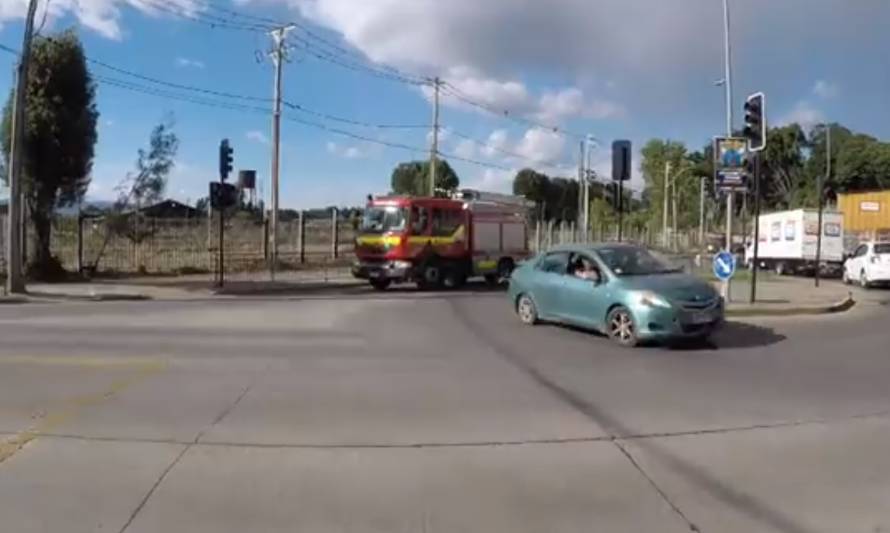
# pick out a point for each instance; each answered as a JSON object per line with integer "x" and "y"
{"x": 803, "y": 113}
{"x": 465, "y": 148}
{"x": 541, "y": 146}
{"x": 185, "y": 62}
{"x": 570, "y": 102}
{"x": 257, "y": 136}
{"x": 494, "y": 180}
{"x": 349, "y": 152}
{"x": 826, "y": 89}
{"x": 497, "y": 141}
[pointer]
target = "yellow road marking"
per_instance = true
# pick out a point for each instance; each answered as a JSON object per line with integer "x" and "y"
{"x": 54, "y": 419}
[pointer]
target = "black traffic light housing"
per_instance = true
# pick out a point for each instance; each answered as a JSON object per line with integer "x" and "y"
{"x": 755, "y": 122}
{"x": 621, "y": 160}
{"x": 225, "y": 159}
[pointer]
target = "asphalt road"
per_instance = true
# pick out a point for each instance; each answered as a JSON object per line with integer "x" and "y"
{"x": 405, "y": 412}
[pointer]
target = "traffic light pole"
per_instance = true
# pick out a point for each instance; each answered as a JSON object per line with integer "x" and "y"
{"x": 222, "y": 229}
{"x": 755, "y": 262}
{"x": 620, "y": 209}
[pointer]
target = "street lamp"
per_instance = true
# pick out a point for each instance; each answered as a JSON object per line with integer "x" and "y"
{"x": 820, "y": 194}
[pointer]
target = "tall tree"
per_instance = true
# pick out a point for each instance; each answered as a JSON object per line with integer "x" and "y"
{"x": 412, "y": 178}
{"x": 60, "y": 136}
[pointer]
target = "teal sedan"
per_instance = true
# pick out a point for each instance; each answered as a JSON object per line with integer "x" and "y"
{"x": 621, "y": 290}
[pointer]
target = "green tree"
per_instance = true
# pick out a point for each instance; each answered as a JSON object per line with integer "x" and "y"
{"x": 412, "y": 178}
{"x": 657, "y": 154}
{"x": 60, "y": 136}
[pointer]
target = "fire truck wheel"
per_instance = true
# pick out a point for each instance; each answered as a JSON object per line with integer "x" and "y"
{"x": 430, "y": 276}
{"x": 453, "y": 278}
{"x": 380, "y": 284}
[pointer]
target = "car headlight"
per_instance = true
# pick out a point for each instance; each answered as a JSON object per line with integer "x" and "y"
{"x": 650, "y": 299}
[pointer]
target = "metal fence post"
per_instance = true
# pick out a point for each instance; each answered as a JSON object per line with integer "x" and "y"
{"x": 302, "y": 235}
{"x": 80, "y": 243}
{"x": 335, "y": 234}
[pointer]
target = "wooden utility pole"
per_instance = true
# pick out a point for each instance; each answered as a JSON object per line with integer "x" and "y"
{"x": 15, "y": 282}
{"x": 434, "y": 146}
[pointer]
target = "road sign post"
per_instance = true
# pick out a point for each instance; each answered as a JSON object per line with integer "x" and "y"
{"x": 730, "y": 177}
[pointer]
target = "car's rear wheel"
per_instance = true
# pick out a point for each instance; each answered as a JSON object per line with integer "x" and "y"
{"x": 863, "y": 280}
{"x": 380, "y": 284}
{"x": 526, "y": 309}
{"x": 621, "y": 328}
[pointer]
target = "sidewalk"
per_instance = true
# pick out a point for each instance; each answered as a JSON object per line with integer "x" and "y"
{"x": 777, "y": 296}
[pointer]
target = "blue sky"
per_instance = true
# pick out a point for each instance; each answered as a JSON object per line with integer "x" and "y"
{"x": 633, "y": 69}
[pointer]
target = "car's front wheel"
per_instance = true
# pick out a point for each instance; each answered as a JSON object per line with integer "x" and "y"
{"x": 527, "y": 311}
{"x": 621, "y": 328}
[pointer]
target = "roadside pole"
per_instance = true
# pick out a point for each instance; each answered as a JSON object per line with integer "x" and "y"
{"x": 701, "y": 213}
{"x": 664, "y": 210}
{"x": 727, "y": 85}
{"x": 434, "y": 146}
{"x": 15, "y": 282}
{"x": 755, "y": 257}
{"x": 820, "y": 190}
{"x": 278, "y": 54}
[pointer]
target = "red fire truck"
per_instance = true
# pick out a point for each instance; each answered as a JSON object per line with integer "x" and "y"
{"x": 440, "y": 242}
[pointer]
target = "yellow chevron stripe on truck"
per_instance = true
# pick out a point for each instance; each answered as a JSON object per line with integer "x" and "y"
{"x": 395, "y": 240}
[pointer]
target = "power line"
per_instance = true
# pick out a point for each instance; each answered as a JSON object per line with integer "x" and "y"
{"x": 549, "y": 163}
{"x": 350, "y": 121}
{"x": 324, "y": 55}
{"x": 507, "y": 114}
{"x": 206, "y": 19}
{"x": 167, "y": 94}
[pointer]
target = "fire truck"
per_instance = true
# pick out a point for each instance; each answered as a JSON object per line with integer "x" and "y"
{"x": 441, "y": 242}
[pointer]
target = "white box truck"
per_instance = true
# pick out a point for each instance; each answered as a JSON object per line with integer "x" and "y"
{"x": 788, "y": 242}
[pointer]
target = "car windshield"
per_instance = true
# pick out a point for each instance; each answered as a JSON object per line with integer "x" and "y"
{"x": 379, "y": 219}
{"x": 883, "y": 248}
{"x": 633, "y": 261}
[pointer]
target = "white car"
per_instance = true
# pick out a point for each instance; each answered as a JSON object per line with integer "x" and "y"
{"x": 869, "y": 264}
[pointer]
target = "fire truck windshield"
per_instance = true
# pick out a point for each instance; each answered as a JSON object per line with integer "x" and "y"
{"x": 379, "y": 219}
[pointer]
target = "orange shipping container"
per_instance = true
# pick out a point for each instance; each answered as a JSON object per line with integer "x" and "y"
{"x": 866, "y": 213}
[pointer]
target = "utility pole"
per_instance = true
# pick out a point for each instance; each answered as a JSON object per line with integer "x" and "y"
{"x": 278, "y": 55}
{"x": 664, "y": 209}
{"x": 701, "y": 212}
{"x": 674, "y": 213}
{"x": 15, "y": 282}
{"x": 820, "y": 190}
{"x": 727, "y": 86}
{"x": 434, "y": 147}
{"x": 579, "y": 218}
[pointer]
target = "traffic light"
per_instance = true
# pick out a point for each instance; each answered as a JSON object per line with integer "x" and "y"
{"x": 621, "y": 165}
{"x": 225, "y": 159}
{"x": 755, "y": 122}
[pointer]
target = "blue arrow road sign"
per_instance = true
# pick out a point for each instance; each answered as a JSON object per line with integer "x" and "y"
{"x": 724, "y": 265}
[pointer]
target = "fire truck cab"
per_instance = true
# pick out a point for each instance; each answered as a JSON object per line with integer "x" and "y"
{"x": 441, "y": 242}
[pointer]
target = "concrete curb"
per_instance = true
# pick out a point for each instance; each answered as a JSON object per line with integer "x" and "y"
{"x": 43, "y": 297}
{"x": 824, "y": 309}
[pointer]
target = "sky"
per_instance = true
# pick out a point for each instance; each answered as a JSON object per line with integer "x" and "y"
{"x": 524, "y": 81}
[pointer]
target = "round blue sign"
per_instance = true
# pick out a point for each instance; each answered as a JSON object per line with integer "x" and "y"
{"x": 724, "y": 265}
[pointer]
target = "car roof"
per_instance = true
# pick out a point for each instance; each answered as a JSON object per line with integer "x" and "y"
{"x": 589, "y": 247}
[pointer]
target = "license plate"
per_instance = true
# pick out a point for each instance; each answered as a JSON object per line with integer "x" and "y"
{"x": 375, "y": 273}
{"x": 701, "y": 317}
